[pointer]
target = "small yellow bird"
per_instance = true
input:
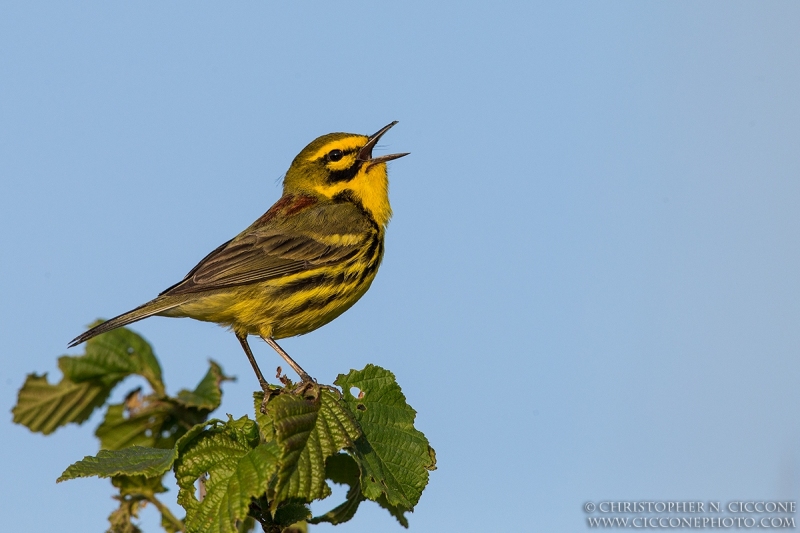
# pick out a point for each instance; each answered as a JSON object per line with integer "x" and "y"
{"x": 301, "y": 264}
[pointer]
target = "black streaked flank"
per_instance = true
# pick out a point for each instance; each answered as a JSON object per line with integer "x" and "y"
{"x": 375, "y": 242}
{"x": 311, "y": 282}
{"x": 312, "y": 304}
{"x": 374, "y": 261}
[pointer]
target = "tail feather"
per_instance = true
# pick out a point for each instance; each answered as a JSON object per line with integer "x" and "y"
{"x": 134, "y": 315}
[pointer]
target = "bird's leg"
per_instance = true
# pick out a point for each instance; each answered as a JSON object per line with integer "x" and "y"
{"x": 261, "y": 381}
{"x": 304, "y": 377}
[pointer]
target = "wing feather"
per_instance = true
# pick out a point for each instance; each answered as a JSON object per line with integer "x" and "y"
{"x": 273, "y": 247}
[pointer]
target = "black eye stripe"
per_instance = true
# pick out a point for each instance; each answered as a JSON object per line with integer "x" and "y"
{"x": 345, "y": 174}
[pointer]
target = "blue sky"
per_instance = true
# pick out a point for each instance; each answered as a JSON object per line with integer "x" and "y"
{"x": 590, "y": 289}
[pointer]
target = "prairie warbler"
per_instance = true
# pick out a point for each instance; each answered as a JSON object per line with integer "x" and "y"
{"x": 308, "y": 259}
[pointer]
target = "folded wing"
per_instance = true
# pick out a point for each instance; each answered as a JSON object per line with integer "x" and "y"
{"x": 319, "y": 235}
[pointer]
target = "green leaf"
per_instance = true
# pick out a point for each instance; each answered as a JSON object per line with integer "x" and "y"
{"x": 208, "y": 393}
{"x": 147, "y": 421}
{"x": 236, "y": 468}
{"x": 158, "y": 421}
{"x": 87, "y": 381}
{"x": 343, "y": 470}
{"x": 308, "y": 429}
{"x": 292, "y": 513}
{"x": 120, "y": 429}
{"x": 43, "y": 407}
{"x": 133, "y": 461}
{"x": 195, "y": 432}
{"x": 266, "y": 427}
{"x": 394, "y": 457}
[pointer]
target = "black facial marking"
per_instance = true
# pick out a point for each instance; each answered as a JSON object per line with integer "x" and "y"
{"x": 346, "y": 174}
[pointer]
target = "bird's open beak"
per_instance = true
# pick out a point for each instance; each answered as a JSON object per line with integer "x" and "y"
{"x": 366, "y": 153}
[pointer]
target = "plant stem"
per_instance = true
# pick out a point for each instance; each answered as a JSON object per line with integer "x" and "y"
{"x": 166, "y": 513}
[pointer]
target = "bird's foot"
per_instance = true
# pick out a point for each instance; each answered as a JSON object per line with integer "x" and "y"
{"x": 307, "y": 387}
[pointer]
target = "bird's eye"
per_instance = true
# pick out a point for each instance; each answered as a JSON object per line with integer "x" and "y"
{"x": 335, "y": 155}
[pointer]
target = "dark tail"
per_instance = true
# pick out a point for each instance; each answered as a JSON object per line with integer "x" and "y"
{"x": 143, "y": 311}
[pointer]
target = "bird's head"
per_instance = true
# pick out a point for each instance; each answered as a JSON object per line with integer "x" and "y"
{"x": 340, "y": 167}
